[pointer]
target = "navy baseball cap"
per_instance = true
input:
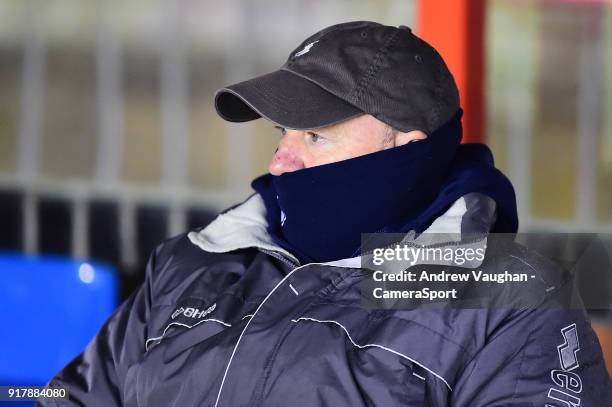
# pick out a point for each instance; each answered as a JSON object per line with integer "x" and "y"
{"x": 347, "y": 70}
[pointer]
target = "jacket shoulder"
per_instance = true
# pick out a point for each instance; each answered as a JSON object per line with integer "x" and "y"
{"x": 534, "y": 278}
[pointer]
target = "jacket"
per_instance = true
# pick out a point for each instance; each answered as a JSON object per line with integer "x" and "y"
{"x": 225, "y": 317}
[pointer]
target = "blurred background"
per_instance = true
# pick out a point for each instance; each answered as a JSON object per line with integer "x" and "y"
{"x": 109, "y": 141}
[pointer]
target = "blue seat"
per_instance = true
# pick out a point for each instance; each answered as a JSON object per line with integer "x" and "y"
{"x": 51, "y": 308}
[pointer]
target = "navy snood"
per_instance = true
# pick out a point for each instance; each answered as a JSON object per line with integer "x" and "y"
{"x": 319, "y": 213}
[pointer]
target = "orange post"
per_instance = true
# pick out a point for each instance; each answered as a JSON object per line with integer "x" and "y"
{"x": 456, "y": 29}
{"x": 604, "y": 333}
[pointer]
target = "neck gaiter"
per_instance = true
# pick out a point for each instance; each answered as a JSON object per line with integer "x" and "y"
{"x": 319, "y": 213}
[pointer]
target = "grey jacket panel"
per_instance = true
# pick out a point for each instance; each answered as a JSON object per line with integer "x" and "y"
{"x": 225, "y": 318}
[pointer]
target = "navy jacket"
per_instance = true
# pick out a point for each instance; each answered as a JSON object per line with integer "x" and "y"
{"x": 226, "y": 317}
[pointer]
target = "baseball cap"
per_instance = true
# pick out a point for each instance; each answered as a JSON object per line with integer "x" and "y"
{"x": 346, "y": 70}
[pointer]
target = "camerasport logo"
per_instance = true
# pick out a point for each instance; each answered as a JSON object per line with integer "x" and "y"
{"x": 192, "y": 311}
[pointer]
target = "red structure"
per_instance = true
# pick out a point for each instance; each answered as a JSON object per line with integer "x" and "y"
{"x": 456, "y": 29}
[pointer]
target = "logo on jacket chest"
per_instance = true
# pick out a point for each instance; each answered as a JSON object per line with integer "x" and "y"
{"x": 192, "y": 310}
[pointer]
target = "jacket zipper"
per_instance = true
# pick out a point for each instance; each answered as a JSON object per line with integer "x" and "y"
{"x": 280, "y": 257}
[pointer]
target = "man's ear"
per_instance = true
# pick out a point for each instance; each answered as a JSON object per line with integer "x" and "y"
{"x": 405, "y": 138}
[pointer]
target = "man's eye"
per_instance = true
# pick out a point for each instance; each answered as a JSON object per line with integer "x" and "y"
{"x": 315, "y": 138}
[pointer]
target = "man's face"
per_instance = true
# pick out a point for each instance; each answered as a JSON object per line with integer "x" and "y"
{"x": 351, "y": 138}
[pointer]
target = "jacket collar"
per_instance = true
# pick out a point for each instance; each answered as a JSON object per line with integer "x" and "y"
{"x": 244, "y": 226}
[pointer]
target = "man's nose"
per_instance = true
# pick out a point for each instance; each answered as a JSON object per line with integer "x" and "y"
{"x": 289, "y": 155}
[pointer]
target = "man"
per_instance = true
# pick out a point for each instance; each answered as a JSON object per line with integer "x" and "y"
{"x": 263, "y": 306}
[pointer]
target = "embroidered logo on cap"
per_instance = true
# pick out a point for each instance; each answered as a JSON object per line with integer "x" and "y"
{"x": 305, "y": 49}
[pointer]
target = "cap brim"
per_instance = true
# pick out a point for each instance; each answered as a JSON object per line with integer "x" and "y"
{"x": 285, "y": 99}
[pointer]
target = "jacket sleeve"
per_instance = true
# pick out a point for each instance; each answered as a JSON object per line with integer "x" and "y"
{"x": 96, "y": 376}
{"x": 547, "y": 356}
